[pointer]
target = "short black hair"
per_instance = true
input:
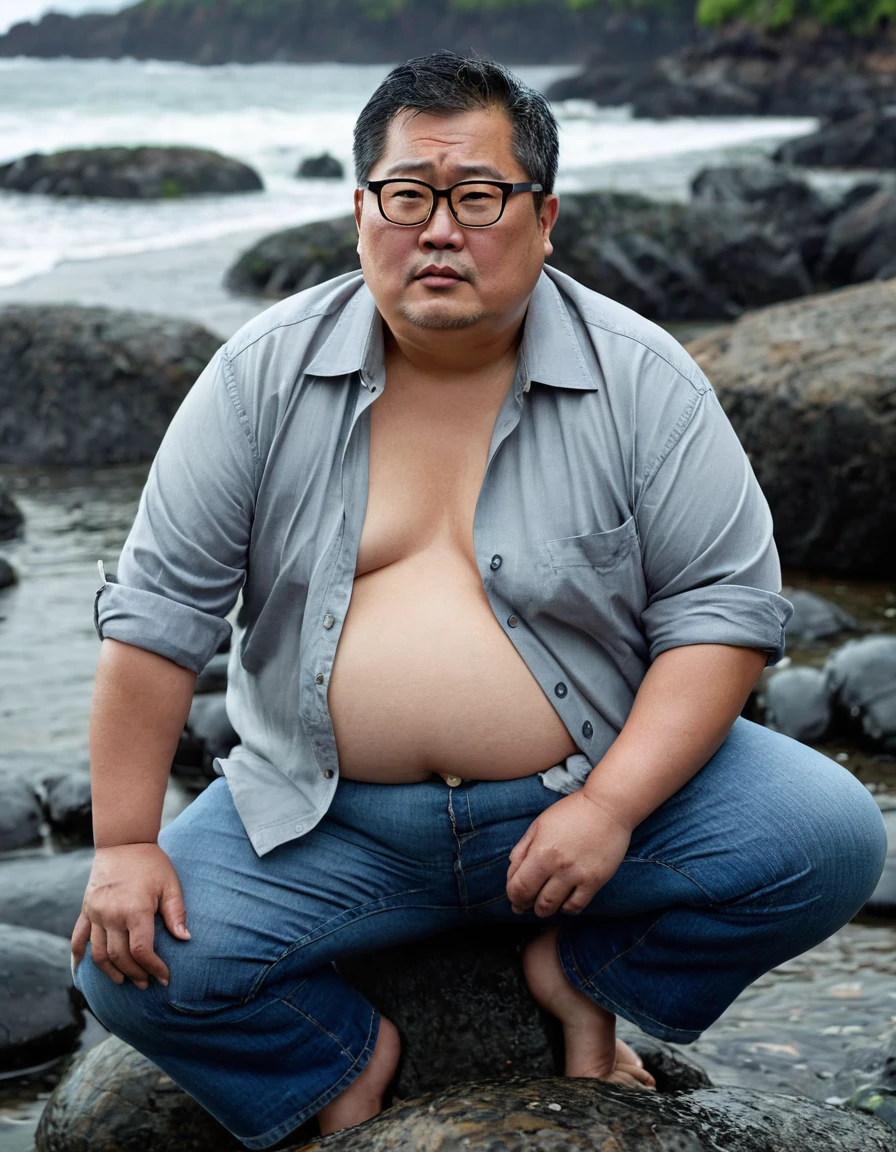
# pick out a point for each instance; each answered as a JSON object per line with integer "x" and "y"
{"x": 444, "y": 83}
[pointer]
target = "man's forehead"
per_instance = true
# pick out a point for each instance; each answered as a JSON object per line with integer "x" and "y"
{"x": 474, "y": 143}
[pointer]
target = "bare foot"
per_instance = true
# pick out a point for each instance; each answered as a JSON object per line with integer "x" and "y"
{"x": 589, "y": 1031}
{"x": 363, "y": 1099}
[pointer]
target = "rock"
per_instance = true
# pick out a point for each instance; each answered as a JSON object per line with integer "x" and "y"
{"x": 864, "y": 141}
{"x": 808, "y": 387}
{"x": 213, "y": 677}
{"x": 39, "y": 1017}
{"x": 8, "y": 575}
{"x": 868, "y": 1068}
{"x": 112, "y": 1099}
{"x": 298, "y": 258}
{"x": 741, "y": 71}
{"x": 11, "y": 518}
{"x": 861, "y": 677}
{"x": 797, "y": 704}
{"x": 554, "y": 1114}
{"x": 861, "y": 241}
{"x": 129, "y": 173}
{"x": 324, "y": 167}
{"x": 814, "y": 617}
{"x": 676, "y": 262}
{"x": 207, "y": 735}
{"x": 92, "y": 386}
{"x": 45, "y": 892}
{"x": 20, "y": 814}
{"x": 68, "y": 807}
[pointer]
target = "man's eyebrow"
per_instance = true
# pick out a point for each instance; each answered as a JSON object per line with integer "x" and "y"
{"x": 402, "y": 167}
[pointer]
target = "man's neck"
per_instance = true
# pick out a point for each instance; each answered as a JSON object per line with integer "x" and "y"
{"x": 452, "y": 356}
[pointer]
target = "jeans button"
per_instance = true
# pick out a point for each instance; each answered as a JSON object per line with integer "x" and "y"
{"x": 587, "y": 730}
{"x": 453, "y": 781}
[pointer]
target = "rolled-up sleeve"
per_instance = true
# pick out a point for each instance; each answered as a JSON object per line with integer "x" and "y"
{"x": 710, "y": 562}
{"x": 184, "y": 561}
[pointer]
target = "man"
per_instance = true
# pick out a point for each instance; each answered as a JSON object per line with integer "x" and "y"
{"x": 507, "y": 580}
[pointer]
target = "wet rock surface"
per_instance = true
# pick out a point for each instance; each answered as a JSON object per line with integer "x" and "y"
{"x": 883, "y": 901}
{"x": 861, "y": 241}
{"x": 797, "y": 704}
{"x": 861, "y": 677}
{"x": 323, "y": 167}
{"x": 129, "y": 173}
{"x": 11, "y": 518}
{"x": 8, "y": 575}
{"x": 864, "y": 141}
{"x": 68, "y": 807}
{"x": 207, "y": 735}
{"x": 44, "y": 892}
{"x": 86, "y": 386}
{"x": 297, "y": 258}
{"x": 742, "y": 72}
{"x": 39, "y": 1014}
{"x": 21, "y": 815}
{"x": 213, "y": 677}
{"x": 815, "y": 617}
{"x": 548, "y": 1115}
{"x": 808, "y": 388}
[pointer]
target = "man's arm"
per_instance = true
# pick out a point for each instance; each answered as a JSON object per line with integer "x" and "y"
{"x": 684, "y": 708}
{"x": 140, "y": 704}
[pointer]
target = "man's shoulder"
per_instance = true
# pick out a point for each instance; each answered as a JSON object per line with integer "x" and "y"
{"x": 293, "y": 323}
{"x": 623, "y": 339}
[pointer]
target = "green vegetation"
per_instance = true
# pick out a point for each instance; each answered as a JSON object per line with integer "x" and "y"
{"x": 857, "y": 16}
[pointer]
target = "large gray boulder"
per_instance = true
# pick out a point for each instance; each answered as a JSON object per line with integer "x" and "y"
{"x": 297, "y": 258}
{"x": 861, "y": 677}
{"x": 864, "y": 141}
{"x": 808, "y": 387}
{"x": 92, "y": 386}
{"x": 21, "y": 814}
{"x": 45, "y": 892}
{"x": 142, "y": 173}
{"x": 861, "y": 241}
{"x": 39, "y": 1014}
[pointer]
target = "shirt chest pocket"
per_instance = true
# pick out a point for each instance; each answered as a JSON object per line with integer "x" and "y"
{"x": 596, "y": 581}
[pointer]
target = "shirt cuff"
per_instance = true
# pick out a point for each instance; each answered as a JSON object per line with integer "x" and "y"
{"x": 735, "y": 614}
{"x": 147, "y": 620}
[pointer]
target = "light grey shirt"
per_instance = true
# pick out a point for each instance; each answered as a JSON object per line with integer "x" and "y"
{"x": 618, "y": 517}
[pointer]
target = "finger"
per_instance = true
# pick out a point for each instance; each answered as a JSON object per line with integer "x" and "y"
{"x": 119, "y": 948}
{"x": 552, "y": 895}
{"x": 100, "y": 955}
{"x": 80, "y": 936}
{"x": 580, "y": 897}
{"x": 518, "y": 855}
{"x": 141, "y": 940}
{"x": 526, "y": 883}
{"x": 173, "y": 911}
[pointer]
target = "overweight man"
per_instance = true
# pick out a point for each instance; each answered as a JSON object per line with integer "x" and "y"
{"x": 507, "y": 581}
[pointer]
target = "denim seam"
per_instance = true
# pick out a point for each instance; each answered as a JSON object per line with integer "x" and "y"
{"x": 619, "y": 955}
{"x": 716, "y": 904}
{"x": 458, "y": 866}
{"x": 317, "y": 1024}
{"x": 323, "y": 1098}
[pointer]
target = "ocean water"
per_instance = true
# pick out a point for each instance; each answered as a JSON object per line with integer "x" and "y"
{"x": 271, "y": 116}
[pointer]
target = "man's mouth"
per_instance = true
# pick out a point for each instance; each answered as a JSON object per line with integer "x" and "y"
{"x": 437, "y": 276}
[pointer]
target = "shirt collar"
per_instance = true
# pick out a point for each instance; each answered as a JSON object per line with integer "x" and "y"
{"x": 550, "y": 352}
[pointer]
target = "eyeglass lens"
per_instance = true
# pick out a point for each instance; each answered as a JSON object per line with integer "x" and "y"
{"x": 412, "y": 203}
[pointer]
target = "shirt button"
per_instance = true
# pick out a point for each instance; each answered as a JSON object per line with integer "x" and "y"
{"x": 300, "y": 827}
{"x": 560, "y": 689}
{"x": 587, "y": 730}
{"x": 496, "y": 563}
{"x": 319, "y": 678}
{"x": 329, "y": 620}
{"x": 327, "y": 773}
{"x": 513, "y": 621}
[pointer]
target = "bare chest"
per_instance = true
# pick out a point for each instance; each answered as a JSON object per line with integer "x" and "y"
{"x": 427, "y": 463}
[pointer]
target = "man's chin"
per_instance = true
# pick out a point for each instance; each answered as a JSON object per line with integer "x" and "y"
{"x": 438, "y": 317}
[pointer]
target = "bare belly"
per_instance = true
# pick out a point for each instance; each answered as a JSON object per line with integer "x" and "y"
{"x": 425, "y": 680}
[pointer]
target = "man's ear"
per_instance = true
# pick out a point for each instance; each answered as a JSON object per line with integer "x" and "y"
{"x": 359, "y": 204}
{"x": 548, "y": 218}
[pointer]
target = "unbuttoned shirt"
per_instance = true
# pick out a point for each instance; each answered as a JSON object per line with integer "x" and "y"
{"x": 618, "y": 517}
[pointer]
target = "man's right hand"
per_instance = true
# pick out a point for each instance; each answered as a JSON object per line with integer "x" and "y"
{"x": 128, "y": 884}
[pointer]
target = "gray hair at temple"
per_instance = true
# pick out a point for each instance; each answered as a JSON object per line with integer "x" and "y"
{"x": 443, "y": 84}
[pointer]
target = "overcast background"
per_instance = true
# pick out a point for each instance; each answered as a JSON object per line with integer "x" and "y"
{"x": 13, "y": 11}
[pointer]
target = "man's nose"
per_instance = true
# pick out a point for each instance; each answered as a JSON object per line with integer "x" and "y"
{"x": 441, "y": 230}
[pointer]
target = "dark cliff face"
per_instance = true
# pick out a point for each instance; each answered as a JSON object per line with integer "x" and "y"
{"x": 528, "y": 31}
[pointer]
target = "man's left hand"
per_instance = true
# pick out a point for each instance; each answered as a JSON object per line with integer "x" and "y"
{"x": 569, "y": 852}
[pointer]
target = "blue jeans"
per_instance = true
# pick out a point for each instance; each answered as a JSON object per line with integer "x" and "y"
{"x": 767, "y": 851}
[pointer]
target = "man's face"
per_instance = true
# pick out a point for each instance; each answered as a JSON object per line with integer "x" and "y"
{"x": 490, "y": 272}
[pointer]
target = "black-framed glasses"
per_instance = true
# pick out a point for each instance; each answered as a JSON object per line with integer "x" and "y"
{"x": 473, "y": 203}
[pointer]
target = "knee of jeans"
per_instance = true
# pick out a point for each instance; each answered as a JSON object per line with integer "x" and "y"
{"x": 126, "y": 1010}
